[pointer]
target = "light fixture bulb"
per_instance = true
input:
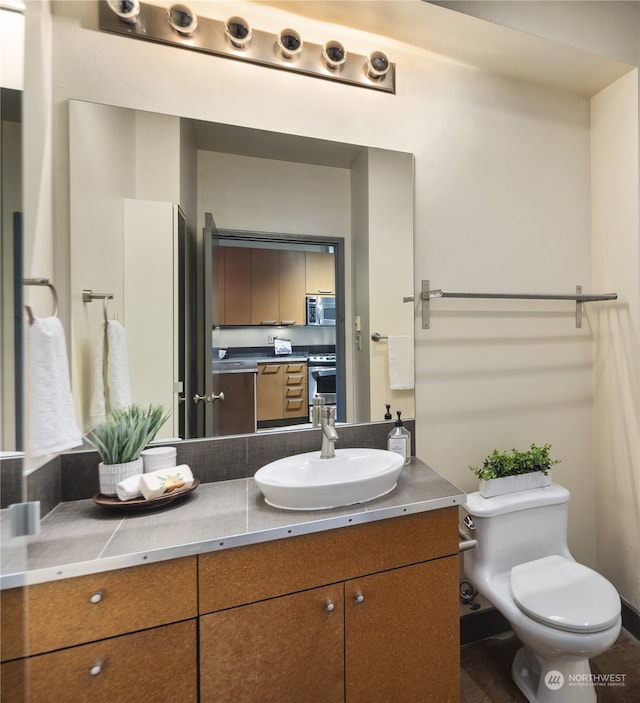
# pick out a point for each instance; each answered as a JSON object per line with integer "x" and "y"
{"x": 377, "y": 66}
{"x": 183, "y": 19}
{"x": 333, "y": 55}
{"x": 126, "y": 10}
{"x": 289, "y": 43}
{"x": 238, "y": 32}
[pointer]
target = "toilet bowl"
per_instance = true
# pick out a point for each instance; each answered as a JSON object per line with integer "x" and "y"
{"x": 562, "y": 612}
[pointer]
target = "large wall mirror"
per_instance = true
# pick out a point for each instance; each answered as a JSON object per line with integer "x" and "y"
{"x": 142, "y": 184}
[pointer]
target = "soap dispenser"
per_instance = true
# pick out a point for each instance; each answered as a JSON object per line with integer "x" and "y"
{"x": 400, "y": 440}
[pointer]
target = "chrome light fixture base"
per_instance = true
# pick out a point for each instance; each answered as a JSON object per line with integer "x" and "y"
{"x": 263, "y": 48}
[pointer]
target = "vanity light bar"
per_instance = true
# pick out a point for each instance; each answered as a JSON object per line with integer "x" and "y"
{"x": 235, "y": 39}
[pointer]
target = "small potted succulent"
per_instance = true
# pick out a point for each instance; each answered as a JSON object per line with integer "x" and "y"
{"x": 120, "y": 439}
{"x": 508, "y": 472}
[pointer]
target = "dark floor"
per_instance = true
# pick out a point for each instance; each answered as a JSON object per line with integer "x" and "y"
{"x": 486, "y": 671}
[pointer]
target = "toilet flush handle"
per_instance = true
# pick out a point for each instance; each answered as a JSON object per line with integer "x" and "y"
{"x": 468, "y": 521}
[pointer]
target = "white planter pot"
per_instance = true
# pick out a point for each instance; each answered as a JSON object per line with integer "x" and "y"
{"x": 513, "y": 484}
{"x": 111, "y": 474}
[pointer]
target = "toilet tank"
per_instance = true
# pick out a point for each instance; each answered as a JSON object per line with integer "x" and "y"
{"x": 515, "y": 528}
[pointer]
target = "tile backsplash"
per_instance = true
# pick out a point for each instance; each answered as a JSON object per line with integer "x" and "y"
{"x": 74, "y": 476}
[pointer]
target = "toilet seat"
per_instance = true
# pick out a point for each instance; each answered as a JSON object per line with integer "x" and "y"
{"x": 563, "y": 594}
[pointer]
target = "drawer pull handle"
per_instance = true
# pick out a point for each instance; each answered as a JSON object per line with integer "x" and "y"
{"x": 96, "y": 669}
{"x": 96, "y": 597}
{"x": 330, "y": 606}
{"x": 359, "y": 597}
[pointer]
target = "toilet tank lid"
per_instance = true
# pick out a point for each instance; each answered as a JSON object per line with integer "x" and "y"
{"x": 479, "y": 506}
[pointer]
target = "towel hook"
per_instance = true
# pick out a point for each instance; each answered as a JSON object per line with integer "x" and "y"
{"x": 41, "y": 282}
{"x": 88, "y": 296}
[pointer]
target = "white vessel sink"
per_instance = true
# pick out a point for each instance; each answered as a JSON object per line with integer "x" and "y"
{"x": 307, "y": 482}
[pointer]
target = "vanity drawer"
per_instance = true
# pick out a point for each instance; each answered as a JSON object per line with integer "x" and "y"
{"x": 296, "y": 368}
{"x": 87, "y": 608}
{"x": 158, "y": 665}
{"x": 248, "y": 574}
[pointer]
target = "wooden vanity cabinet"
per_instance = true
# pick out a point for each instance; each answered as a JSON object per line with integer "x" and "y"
{"x": 289, "y": 648}
{"x": 153, "y": 666}
{"x": 379, "y": 601}
{"x": 128, "y": 634}
{"x": 398, "y": 632}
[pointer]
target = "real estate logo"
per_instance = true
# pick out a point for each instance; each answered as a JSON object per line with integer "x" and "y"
{"x": 554, "y": 680}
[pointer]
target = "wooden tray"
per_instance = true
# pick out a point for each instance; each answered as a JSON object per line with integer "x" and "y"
{"x": 141, "y": 503}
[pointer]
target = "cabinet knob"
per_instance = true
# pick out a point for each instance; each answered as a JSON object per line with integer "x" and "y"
{"x": 96, "y": 597}
{"x": 219, "y": 397}
{"x": 359, "y": 597}
{"x": 197, "y": 398}
{"x": 330, "y": 606}
{"x": 96, "y": 669}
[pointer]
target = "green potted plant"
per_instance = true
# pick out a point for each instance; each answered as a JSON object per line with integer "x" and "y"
{"x": 120, "y": 439}
{"x": 507, "y": 472}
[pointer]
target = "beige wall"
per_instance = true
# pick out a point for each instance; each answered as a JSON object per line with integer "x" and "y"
{"x": 114, "y": 156}
{"x": 616, "y": 378}
{"x": 503, "y": 197}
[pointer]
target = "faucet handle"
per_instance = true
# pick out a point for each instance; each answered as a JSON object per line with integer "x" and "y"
{"x": 329, "y": 413}
{"x": 316, "y": 412}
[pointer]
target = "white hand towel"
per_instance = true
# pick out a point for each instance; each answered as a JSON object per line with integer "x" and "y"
{"x": 112, "y": 387}
{"x": 52, "y": 424}
{"x": 119, "y": 386}
{"x": 129, "y": 488}
{"x": 401, "y": 372}
{"x": 98, "y": 408}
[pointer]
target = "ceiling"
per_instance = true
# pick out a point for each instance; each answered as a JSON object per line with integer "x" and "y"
{"x": 244, "y": 141}
{"x": 495, "y": 48}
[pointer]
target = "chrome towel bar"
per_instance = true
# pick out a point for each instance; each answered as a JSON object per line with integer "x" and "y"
{"x": 88, "y": 296}
{"x": 41, "y": 282}
{"x": 579, "y": 297}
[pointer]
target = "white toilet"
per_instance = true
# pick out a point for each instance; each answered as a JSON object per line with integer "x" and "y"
{"x": 563, "y": 612}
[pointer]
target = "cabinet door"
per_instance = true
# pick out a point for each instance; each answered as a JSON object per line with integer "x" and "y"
{"x": 284, "y": 650}
{"x": 291, "y": 284}
{"x": 236, "y": 414}
{"x": 153, "y": 666}
{"x": 402, "y": 635}
{"x": 320, "y": 273}
{"x": 264, "y": 287}
{"x": 269, "y": 391}
{"x": 237, "y": 286}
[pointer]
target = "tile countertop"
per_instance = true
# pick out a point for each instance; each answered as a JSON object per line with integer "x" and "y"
{"x": 80, "y": 537}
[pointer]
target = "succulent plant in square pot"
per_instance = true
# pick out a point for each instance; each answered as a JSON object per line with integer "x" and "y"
{"x": 508, "y": 472}
{"x": 120, "y": 440}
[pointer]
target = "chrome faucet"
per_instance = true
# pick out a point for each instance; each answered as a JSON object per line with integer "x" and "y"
{"x": 329, "y": 434}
